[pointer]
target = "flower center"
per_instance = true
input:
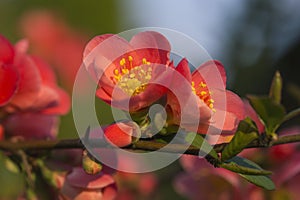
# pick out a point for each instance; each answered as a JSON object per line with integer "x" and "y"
{"x": 133, "y": 79}
{"x": 202, "y": 92}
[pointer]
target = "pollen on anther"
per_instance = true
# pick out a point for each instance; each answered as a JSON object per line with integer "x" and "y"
{"x": 211, "y": 101}
{"x": 202, "y": 93}
{"x": 203, "y": 85}
{"x": 144, "y": 61}
{"x": 122, "y": 62}
{"x": 130, "y": 58}
{"x": 125, "y": 71}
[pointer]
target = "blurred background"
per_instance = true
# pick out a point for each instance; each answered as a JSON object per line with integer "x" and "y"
{"x": 252, "y": 39}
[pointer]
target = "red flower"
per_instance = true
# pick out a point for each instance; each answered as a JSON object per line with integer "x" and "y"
{"x": 54, "y": 41}
{"x": 29, "y": 94}
{"x": 219, "y": 108}
{"x": 126, "y": 69}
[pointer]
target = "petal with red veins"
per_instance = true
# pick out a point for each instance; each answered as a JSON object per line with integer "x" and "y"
{"x": 9, "y": 80}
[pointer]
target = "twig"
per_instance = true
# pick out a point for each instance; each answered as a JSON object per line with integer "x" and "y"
{"x": 139, "y": 145}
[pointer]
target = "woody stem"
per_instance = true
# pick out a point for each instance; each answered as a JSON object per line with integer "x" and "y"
{"x": 139, "y": 145}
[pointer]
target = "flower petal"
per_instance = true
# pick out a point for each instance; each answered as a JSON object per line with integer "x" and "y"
{"x": 9, "y": 79}
{"x": 229, "y": 101}
{"x": 119, "y": 134}
{"x": 108, "y": 46}
{"x": 184, "y": 70}
{"x": 151, "y": 45}
{"x": 7, "y": 52}
{"x": 94, "y": 42}
{"x": 45, "y": 71}
{"x": 79, "y": 178}
{"x": 62, "y": 105}
{"x": 51, "y": 97}
{"x": 30, "y": 83}
{"x": 212, "y": 73}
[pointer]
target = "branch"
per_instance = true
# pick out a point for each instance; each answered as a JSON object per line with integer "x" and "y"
{"x": 139, "y": 145}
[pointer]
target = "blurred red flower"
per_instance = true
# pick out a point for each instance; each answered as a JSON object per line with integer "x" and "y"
{"x": 54, "y": 41}
{"x": 28, "y": 93}
{"x": 79, "y": 185}
{"x": 202, "y": 181}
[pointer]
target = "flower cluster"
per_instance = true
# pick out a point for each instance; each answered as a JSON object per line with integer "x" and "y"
{"x": 30, "y": 105}
{"x": 29, "y": 93}
{"x": 134, "y": 75}
{"x": 166, "y": 103}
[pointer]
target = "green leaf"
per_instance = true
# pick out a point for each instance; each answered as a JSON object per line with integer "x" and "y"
{"x": 269, "y": 111}
{"x": 291, "y": 115}
{"x": 276, "y": 88}
{"x": 246, "y": 169}
{"x": 260, "y": 180}
{"x": 246, "y": 133}
{"x": 198, "y": 141}
{"x": 243, "y": 170}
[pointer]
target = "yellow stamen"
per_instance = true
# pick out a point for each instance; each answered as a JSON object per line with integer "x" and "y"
{"x": 144, "y": 61}
{"x": 203, "y": 85}
{"x": 202, "y": 93}
{"x": 132, "y": 79}
{"x": 211, "y": 101}
{"x": 122, "y": 62}
{"x": 125, "y": 71}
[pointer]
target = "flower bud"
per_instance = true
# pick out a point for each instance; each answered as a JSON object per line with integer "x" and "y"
{"x": 276, "y": 87}
{"x": 122, "y": 134}
{"x": 89, "y": 164}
